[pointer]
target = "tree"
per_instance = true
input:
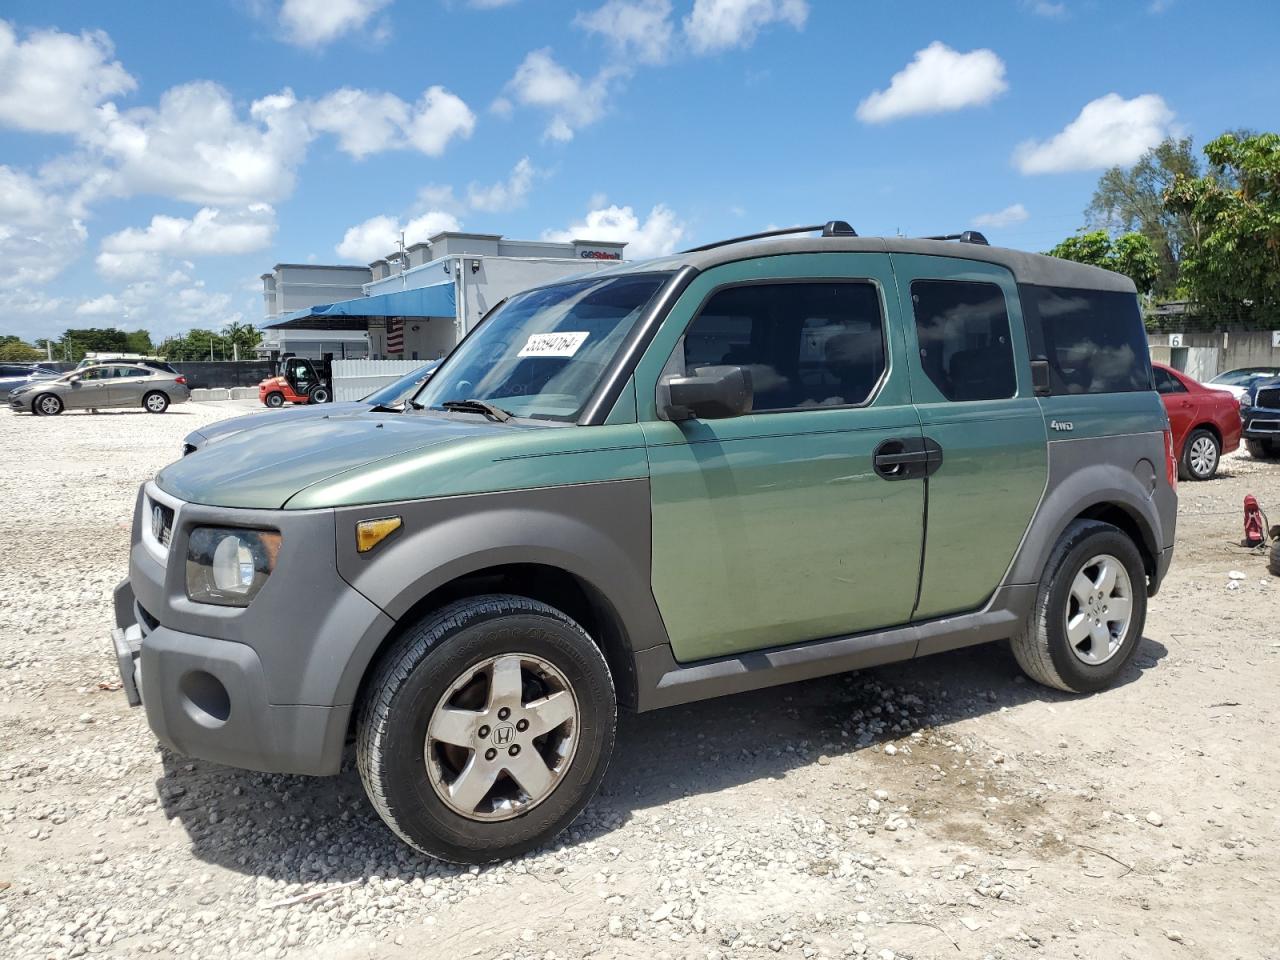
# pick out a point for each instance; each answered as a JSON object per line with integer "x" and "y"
{"x": 139, "y": 341}
{"x": 1231, "y": 267}
{"x": 1132, "y": 201}
{"x": 13, "y": 348}
{"x": 1130, "y": 254}
{"x": 244, "y": 337}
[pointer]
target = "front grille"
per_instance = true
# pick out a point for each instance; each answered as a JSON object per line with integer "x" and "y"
{"x": 161, "y": 521}
{"x": 1268, "y": 399}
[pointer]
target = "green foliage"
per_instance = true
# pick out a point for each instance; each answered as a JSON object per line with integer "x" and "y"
{"x": 1132, "y": 201}
{"x": 1131, "y": 254}
{"x": 1231, "y": 266}
{"x": 14, "y": 349}
{"x": 237, "y": 340}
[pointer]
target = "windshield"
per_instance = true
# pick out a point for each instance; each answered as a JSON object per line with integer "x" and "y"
{"x": 1238, "y": 378}
{"x": 542, "y": 354}
{"x": 397, "y": 390}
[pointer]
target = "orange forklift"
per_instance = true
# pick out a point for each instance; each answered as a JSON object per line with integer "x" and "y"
{"x": 298, "y": 380}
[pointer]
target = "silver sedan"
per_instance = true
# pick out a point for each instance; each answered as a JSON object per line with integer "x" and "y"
{"x": 100, "y": 387}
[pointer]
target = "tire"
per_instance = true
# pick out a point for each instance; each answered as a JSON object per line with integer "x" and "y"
{"x": 1200, "y": 455}
{"x": 319, "y": 394}
{"x": 1273, "y": 563}
{"x": 1044, "y": 649}
{"x": 155, "y": 402}
{"x": 274, "y": 399}
{"x": 47, "y": 405}
{"x": 413, "y": 780}
{"x": 1261, "y": 449}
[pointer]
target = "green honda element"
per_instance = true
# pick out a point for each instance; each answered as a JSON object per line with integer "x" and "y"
{"x": 748, "y": 464}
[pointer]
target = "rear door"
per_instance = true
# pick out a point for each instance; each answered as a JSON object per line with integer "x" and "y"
{"x": 971, "y": 381}
{"x": 1178, "y": 403}
{"x": 776, "y": 527}
{"x": 128, "y": 385}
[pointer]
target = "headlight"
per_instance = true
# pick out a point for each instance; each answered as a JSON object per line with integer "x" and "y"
{"x": 228, "y": 567}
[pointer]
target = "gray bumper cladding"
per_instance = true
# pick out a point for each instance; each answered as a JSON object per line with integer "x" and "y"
{"x": 128, "y": 645}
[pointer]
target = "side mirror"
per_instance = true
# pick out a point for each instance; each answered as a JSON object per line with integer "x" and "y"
{"x": 75, "y": 381}
{"x": 711, "y": 393}
{"x": 1040, "y": 378}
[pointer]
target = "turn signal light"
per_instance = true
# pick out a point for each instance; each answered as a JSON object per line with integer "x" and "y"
{"x": 370, "y": 533}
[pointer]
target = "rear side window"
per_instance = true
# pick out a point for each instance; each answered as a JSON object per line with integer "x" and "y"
{"x": 1166, "y": 382}
{"x": 811, "y": 344}
{"x": 1093, "y": 339}
{"x": 963, "y": 331}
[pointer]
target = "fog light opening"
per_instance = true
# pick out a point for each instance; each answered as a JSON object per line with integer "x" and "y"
{"x": 205, "y": 698}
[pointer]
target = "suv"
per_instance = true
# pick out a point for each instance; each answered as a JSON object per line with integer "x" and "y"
{"x": 1260, "y": 412}
{"x": 747, "y": 464}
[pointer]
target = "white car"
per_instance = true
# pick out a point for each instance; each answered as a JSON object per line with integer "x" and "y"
{"x": 1237, "y": 382}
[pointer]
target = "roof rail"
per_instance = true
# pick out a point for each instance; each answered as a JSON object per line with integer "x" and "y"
{"x": 969, "y": 236}
{"x": 832, "y": 228}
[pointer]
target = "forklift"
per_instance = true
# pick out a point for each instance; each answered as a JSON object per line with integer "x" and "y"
{"x": 297, "y": 380}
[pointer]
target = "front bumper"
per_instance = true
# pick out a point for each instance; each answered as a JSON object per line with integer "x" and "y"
{"x": 1261, "y": 423}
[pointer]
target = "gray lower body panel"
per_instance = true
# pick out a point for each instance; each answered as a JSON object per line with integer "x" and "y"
{"x": 663, "y": 682}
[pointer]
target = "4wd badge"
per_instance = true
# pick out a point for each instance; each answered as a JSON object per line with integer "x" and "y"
{"x": 1065, "y": 426}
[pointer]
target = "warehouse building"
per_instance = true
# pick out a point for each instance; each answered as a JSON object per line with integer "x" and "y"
{"x": 417, "y": 303}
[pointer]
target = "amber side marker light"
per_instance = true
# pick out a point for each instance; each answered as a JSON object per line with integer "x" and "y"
{"x": 370, "y": 533}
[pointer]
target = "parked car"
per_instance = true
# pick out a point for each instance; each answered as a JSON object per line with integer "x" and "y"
{"x": 1206, "y": 422}
{"x": 300, "y": 381}
{"x": 20, "y": 374}
{"x": 747, "y": 464}
{"x": 1260, "y": 411}
{"x": 97, "y": 388}
{"x": 1237, "y": 382}
{"x": 393, "y": 393}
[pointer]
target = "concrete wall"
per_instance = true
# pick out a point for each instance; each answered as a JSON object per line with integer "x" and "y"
{"x": 203, "y": 374}
{"x": 1205, "y": 355}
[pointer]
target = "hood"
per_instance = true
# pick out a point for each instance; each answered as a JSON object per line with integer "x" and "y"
{"x": 262, "y": 468}
{"x": 251, "y": 421}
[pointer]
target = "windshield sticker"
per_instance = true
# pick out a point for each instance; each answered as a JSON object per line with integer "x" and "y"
{"x": 560, "y": 344}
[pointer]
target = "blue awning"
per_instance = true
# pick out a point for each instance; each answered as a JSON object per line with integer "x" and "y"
{"x": 436, "y": 300}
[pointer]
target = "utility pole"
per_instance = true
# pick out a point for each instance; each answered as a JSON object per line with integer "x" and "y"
{"x": 211, "y": 346}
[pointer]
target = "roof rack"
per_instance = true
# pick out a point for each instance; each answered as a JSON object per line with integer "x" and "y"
{"x": 832, "y": 228}
{"x": 969, "y": 236}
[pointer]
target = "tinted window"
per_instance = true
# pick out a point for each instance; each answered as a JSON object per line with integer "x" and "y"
{"x": 1166, "y": 382}
{"x": 1093, "y": 339}
{"x": 135, "y": 372}
{"x": 805, "y": 344}
{"x": 963, "y": 331}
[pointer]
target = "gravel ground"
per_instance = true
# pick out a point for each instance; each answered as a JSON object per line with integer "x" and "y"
{"x": 945, "y": 808}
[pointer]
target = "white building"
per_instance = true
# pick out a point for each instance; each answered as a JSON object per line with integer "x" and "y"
{"x": 417, "y": 304}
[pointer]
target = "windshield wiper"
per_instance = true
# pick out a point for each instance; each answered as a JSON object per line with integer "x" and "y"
{"x": 477, "y": 406}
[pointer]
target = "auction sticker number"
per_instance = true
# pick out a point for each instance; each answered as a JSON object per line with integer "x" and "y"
{"x": 561, "y": 344}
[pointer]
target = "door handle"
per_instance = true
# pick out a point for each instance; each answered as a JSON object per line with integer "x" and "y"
{"x": 906, "y": 458}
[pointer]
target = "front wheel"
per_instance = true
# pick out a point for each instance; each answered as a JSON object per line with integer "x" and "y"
{"x": 1261, "y": 449}
{"x": 1200, "y": 455}
{"x": 155, "y": 402}
{"x": 275, "y": 400}
{"x": 486, "y": 729}
{"x": 47, "y": 405}
{"x": 1089, "y": 613}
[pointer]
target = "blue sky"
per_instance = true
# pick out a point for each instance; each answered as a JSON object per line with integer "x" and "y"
{"x": 155, "y": 159}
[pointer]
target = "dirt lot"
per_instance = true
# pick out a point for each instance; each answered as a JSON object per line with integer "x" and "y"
{"x": 944, "y": 808}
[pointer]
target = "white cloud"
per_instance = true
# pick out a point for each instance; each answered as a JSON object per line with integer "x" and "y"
{"x": 936, "y": 80}
{"x": 210, "y": 232}
{"x": 541, "y": 82}
{"x": 1015, "y": 213}
{"x": 364, "y": 122}
{"x": 1046, "y": 8}
{"x": 636, "y": 29}
{"x": 380, "y": 235}
{"x": 129, "y": 265}
{"x": 716, "y": 25}
{"x": 656, "y": 236}
{"x": 100, "y": 306}
{"x": 313, "y": 23}
{"x": 491, "y": 4}
{"x": 40, "y": 231}
{"x": 505, "y": 194}
{"x": 1110, "y": 131}
{"x": 52, "y": 82}
{"x": 439, "y": 117}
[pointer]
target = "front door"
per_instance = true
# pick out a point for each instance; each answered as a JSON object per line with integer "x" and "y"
{"x": 91, "y": 391}
{"x": 971, "y": 380}
{"x": 775, "y": 527}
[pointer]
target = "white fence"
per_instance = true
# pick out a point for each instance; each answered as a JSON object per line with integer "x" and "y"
{"x": 353, "y": 379}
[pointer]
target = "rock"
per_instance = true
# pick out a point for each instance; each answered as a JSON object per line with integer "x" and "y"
{"x": 1237, "y": 575}
{"x": 890, "y": 749}
{"x": 615, "y": 926}
{"x": 970, "y": 923}
{"x": 1155, "y": 819}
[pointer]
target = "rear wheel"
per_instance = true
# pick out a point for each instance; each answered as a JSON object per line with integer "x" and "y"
{"x": 1089, "y": 612}
{"x": 487, "y": 729}
{"x": 47, "y": 405}
{"x": 319, "y": 394}
{"x": 274, "y": 399}
{"x": 1200, "y": 455}
{"x": 155, "y": 402}
{"x": 1262, "y": 449}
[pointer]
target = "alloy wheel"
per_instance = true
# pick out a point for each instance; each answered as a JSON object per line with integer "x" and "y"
{"x": 501, "y": 738}
{"x": 1099, "y": 609}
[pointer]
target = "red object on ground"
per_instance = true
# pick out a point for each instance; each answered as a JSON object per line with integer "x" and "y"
{"x": 1254, "y": 525}
{"x": 281, "y": 386}
{"x": 1191, "y": 404}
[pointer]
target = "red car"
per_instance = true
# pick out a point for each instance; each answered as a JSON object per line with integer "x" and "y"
{"x": 1205, "y": 422}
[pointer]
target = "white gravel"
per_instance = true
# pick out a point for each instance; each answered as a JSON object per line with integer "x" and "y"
{"x": 937, "y": 809}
